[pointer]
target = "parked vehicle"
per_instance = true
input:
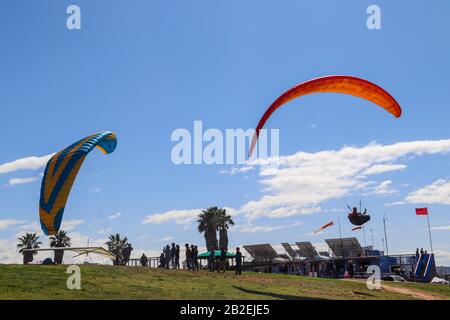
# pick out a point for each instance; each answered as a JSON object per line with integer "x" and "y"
{"x": 393, "y": 277}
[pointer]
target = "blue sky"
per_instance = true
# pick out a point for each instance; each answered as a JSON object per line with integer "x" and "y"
{"x": 145, "y": 68}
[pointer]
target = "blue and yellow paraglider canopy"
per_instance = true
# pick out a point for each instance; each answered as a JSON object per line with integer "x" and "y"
{"x": 60, "y": 174}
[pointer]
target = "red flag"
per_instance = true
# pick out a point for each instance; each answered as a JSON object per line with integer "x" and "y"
{"x": 356, "y": 228}
{"x": 329, "y": 224}
{"x": 422, "y": 211}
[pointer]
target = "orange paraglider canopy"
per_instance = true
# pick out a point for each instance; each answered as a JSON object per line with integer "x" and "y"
{"x": 340, "y": 84}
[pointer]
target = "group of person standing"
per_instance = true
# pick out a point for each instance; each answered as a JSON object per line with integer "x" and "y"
{"x": 324, "y": 269}
{"x": 170, "y": 257}
{"x": 191, "y": 262}
{"x": 419, "y": 253}
{"x": 217, "y": 261}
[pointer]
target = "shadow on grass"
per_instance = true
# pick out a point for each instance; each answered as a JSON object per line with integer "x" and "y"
{"x": 275, "y": 295}
{"x": 364, "y": 294}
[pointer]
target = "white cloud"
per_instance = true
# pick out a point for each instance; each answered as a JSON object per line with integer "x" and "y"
{"x": 250, "y": 228}
{"x": 255, "y": 229}
{"x": 442, "y": 257}
{"x": 104, "y": 231}
{"x": 304, "y": 180}
{"x": 384, "y": 188}
{"x": 441, "y": 228}
{"x": 179, "y": 216}
{"x": 32, "y": 227}
{"x": 6, "y": 223}
{"x": 383, "y": 168}
{"x": 435, "y": 193}
{"x": 18, "y": 181}
{"x": 70, "y": 225}
{"x": 395, "y": 203}
{"x": 236, "y": 170}
{"x": 115, "y": 216}
{"x": 8, "y": 252}
{"x": 28, "y": 163}
{"x": 169, "y": 238}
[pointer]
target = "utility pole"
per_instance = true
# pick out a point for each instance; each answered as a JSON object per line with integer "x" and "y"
{"x": 373, "y": 242}
{"x": 364, "y": 234}
{"x": 340, "y": 237}
{"x": 385, "y": 237}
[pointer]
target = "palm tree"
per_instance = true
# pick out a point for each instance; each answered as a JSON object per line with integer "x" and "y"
{"x": 60, "y": 240}
{"x": 28, "y": 241}
{"x": 207, "y": 224}
{"x": 116, "y": 245}
{"x": 224, "y": 222}
{"x": 211, "y": 220}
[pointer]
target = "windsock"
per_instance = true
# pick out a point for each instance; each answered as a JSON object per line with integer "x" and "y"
{"x": 329, "y": 224}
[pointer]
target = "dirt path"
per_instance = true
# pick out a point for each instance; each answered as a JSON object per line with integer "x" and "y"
{"x": 412, "y": 292}
{"x": 407, "y": 291}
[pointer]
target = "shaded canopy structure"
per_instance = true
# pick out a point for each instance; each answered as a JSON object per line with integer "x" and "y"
{"x": 205, "y": 255}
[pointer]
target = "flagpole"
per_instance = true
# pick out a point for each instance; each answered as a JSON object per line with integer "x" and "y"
{"x": 429, "y": 232}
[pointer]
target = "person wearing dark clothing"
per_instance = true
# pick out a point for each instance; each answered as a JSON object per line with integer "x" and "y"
{"x": 177, "y": 257}
{"x": 192, "y": 257}
{"x": 351, "y": 270}
{"x": 417, "y": 254}
{"x": 211, "y": 258}
{"x": 222, "y": 260}
{"x": 334, "y": 270}
{"x": 167, "y": 257}
{"x": 173, "y": 252}
{"x": 144, "y": 260}
{"x": 421, "y": 251}
{"x": 188, "y": 256}
{"x": 162, "y": 261}
{"x": 196, "y": 266}
{"x": 238, "y": 261}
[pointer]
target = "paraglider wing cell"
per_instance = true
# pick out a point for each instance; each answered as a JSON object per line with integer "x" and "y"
{"x": 60, "y": 174}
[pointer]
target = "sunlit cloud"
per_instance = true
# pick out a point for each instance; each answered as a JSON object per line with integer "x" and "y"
{"x": 19, "y": 181}
{"x": 436, "y": 193}
{"x": 28, "y": 163}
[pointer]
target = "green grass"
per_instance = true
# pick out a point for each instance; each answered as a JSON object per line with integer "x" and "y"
{"x": 107, "y": 282}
